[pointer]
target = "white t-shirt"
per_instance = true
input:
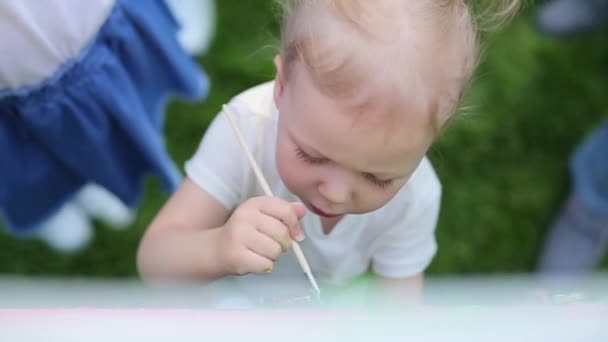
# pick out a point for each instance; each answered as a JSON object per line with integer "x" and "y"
{"x": 38, "y": 36}
{"x": 396, "y": 240}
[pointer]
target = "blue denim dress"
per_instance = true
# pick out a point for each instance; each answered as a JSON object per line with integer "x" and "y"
{"x": 98, "y": 119}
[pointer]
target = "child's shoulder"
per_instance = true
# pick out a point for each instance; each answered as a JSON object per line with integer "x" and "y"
{"x": 423, "y": 186}
{"x": 424, "y": 180}
{"x": 256, "y": 101}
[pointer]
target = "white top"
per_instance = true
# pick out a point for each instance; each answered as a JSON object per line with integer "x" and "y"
{"x": 396, "y": 240}
{"x": 38, "y": 36}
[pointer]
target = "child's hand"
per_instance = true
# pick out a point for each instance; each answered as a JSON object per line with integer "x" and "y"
{"x": 257, "y": 233}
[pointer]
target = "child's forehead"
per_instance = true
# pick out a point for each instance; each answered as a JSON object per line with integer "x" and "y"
{"x": 376, "y": 103}
{"x": 376, "y": 133}
{"x": 402, "y": 59}
{"x": 402, "y": 75}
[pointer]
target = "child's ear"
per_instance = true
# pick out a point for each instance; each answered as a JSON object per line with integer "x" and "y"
{"x": 279, "y": 82}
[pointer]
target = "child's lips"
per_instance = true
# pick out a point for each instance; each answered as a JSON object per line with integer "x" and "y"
{"x": 321, "y": 212}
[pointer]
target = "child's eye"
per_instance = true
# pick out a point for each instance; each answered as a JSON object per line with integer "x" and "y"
{"x": 379, "y": 183}
{"x": 308, "y": 158}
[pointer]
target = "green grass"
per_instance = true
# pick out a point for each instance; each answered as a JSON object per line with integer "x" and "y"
{"x": 503, "y": 164}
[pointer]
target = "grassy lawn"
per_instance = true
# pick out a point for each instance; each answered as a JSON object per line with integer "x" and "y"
{"x": 502, "y": 164}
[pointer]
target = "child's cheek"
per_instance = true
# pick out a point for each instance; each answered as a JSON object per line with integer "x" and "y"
{"x": 290, "y": 169}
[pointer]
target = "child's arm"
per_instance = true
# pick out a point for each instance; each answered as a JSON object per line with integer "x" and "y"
{"x": 182, "y": 232}
{"x": 193, "y": 236}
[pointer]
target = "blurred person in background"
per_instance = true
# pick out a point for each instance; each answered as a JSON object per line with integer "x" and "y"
{"x": 197, "y": 23}
{"x": 562, "y": 18}
{"x": 578, "y": 237}
{"x": 83, "y": 89}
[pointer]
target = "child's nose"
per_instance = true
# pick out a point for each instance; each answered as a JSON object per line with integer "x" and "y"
{"x": 336, "y": 188}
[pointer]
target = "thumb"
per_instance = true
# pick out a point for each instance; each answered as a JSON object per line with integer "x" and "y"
{"x": 296, "y": 231}
{"x": 299, "y": 208}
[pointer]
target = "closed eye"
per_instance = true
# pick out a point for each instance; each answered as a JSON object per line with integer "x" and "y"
{"x": 379, "y": 183}
{"x": 308, "y": 158}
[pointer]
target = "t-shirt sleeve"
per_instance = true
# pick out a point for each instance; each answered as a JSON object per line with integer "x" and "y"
{"x": 408, "y": 246}
{"x": 219, "y": 165}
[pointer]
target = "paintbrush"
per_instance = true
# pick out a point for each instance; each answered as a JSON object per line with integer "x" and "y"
{"x": 258, "y": 173}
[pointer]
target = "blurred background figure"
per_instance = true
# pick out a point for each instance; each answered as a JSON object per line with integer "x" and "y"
{"x": 570, "y": 17}
{"x": 578, "y": 237}
{"x": 197, "y": 20}
{"x": 83, "y": 91}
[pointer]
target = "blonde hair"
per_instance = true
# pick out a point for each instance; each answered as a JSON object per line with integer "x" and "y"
{"x": 327, "y": 37}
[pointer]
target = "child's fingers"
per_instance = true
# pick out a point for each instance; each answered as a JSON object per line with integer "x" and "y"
{"x": 255, "y": 263}
{"x": 276, "y": 230}
{"x": 299, "y": 208}
{"x": 279, "y": 209}
{"x": 264, "y": 246}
